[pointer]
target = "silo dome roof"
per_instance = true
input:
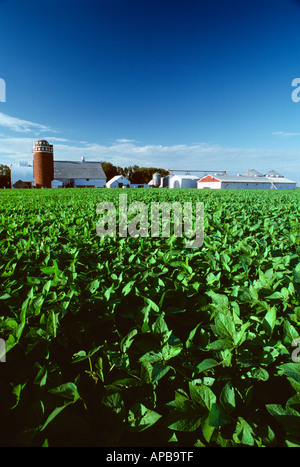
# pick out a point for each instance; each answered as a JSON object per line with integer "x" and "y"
{"x": 42, "y": 141}
{"x": 42, "y": 146}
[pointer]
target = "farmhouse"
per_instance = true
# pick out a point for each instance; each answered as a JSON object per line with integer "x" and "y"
{"x": 252, "y": 179}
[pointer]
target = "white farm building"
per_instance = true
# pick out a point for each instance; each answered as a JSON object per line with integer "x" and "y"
{"x": 118, "y": 181}
{"x": 78, "y": 174}
{"x": 251, "y": 180}
{"x": 183, "y": 181}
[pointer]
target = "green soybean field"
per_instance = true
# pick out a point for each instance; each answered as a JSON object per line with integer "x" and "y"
{"x": 141, "y": 341}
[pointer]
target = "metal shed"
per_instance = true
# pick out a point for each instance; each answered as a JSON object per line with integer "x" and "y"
{"x": 246, "y": 182}
{"x": 183, "y": 181}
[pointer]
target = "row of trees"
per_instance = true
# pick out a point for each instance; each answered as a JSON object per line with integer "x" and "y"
{"x": 135, "y": 174}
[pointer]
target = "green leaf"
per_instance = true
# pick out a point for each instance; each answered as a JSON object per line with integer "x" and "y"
{"x": 170, "y": 351}
{"x": 288, "y": 418}
{"x": 292, "y": 443}
{"x": 291, "y": 370}
{"x": 243, "y": 433}
{"x": 259, "y": 373}
{"x": 5, "y": 296}
{"x": 202, "y": 395}
{"x": 226, "y": 357}
{"x": 151, "y": 357}
{"x": 94, "y": 286}
{"x": 159, "y": 370}
{"x": 48, "y": 270}
{"x": 54, "y": 413}
{"x": 219, "y": 300}
{"x": 290, "y": 333}
{"x": 294, "y": 402}
{"x": 217, "y": 416}
{"x": 227, "y": 398}
{"x": 146, "y": 371}
{"x": 224, "y": 326}
{"x": 241, "y": 335}
{"x": 296, "y": 273}
{"x": 206, "y": 364}
{"x": 127, "y": 340}
{"x": 153, "y": 306}
{"x": 185, "y": 416}
{"x": 269, "y": 321}
{"x": 52, "y": 322}
{"x": 160, "y": 329}
{"x": 127, "y": 288}
{"x": 191, "y": 336}
{"x": 67, "y": 391}
{"x": 207, "y": 430}
{"x": 220, "y": 344}
{"x": 182, "y": 265}
{"x": 41, "y": 377}
{"x": 140, "y": 417}
{"x": 275, "y": 296}
{"x": 114, "y": 403}
{"x": 17, "y": 393}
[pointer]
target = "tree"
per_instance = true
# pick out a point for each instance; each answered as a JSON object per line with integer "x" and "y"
{"x": 110, "y": 170}
{"x": 135, "y": 174}
{"x": 144, "y": 174}
{"x": 4, "y": 176}
{"x": 128, "y": 172}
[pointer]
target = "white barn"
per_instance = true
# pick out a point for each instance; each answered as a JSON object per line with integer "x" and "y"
{"x": 118, "y": 181}
{"x": 66, "y": 174}
{"x": 183, "y": 181}
{"x": 251, "y": 180}
{"x": 78, "y": 174}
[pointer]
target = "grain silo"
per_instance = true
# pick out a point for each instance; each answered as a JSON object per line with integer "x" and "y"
{"x": 165, "y": 181}
{"x": 43, "y": 164}
{"x": 156, "y": 179}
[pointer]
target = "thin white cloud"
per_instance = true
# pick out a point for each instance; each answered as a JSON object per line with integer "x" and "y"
{"x": 285, "y": 133}
{"x": 19, "y": 125}
{"x": 125, "y": 140}
{"x": 53, "y": 139}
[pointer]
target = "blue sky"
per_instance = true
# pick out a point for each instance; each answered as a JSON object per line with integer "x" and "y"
{"x": 182, "y": 84}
